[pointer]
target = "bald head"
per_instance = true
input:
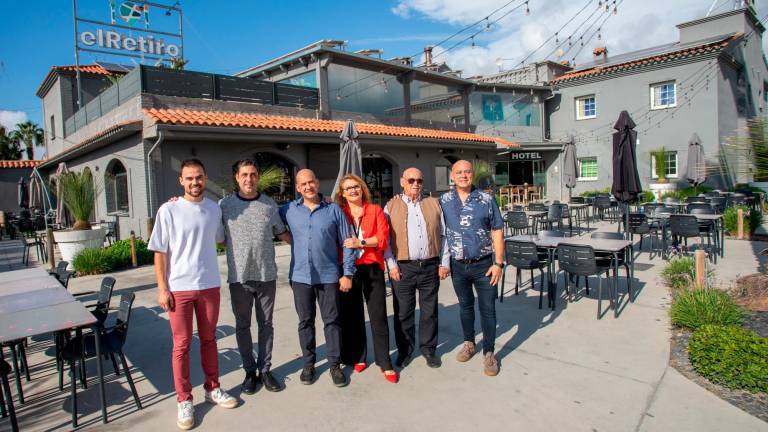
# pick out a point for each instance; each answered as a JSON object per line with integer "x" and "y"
{"x": 412, "y": 183}
{"x": 462, "y": 174}
{"x": 307, "y": 184}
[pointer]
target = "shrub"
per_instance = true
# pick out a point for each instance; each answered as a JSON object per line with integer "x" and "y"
{"x": 686, "y": 193}
{"x": 92, "y": 261}
{"x": 120, "y": 253}
{"x": 698, "y": 307}
{"x": 752, "y": 219}
{"x": 731, "y": 356}
{"x": 679, "y": 272}
{"x": 591, "y": 193}
{"x": 646, "y": 197}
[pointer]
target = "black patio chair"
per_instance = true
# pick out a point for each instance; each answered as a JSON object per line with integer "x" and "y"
{"x": 698, "y": 205}
{"x": 684, "y": 227}
{"x": 537, "y": 207}
{"x": 517, "y": 222}
{"x": 638, "y": 225}
{"x": 579, "y": 260}
{"x": 696, "y": 199}
{"x": 112, "y": 341}
{"x": 18, "y": 361}
{"x": 62, "y": 274}
{"x": 554, "y": 215}
{"x": 602, "y": 206}
{"x": 524, "y": 255}
{"x": 605, "y": 258}
{"x": 707, "y": 228}
{"x": 577, "y": 200}
{"x": 6, "y": 398}
{"x": 718, "y": 204}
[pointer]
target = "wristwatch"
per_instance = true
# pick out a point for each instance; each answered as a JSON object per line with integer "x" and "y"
{"x": 499, "y": 265}
{"x": 362, "y": 242}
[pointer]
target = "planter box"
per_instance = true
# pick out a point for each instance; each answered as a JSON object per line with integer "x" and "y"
{"x": 72, "y": 242}
{"x": 659, "y": 189}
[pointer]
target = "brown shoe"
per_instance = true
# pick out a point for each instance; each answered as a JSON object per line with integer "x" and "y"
{"x": 466, "y": 352}
{"x": 490, "y": 365}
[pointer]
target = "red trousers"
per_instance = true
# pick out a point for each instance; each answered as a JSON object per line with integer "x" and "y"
{"x": 205, "y": 306}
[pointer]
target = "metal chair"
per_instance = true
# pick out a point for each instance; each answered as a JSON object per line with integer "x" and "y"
{"x": 524, "y": 255}
{"x": 718, "y": 204}
{"x": 638, "y": 225}
{"x": 604, "y": 258}
{"x": 517, "y": 221}
{"x": 112, "y": 341}
{"x": 577, "y": 200}
{"x": 579, "y": 260}
{"x": 685, "y": 227}
{"x": 601, "y": 205}
{"x": 537, "y": 207}
{"x": 707, "y": 227}
{"x": 696, "y": 199}
{"x": 554, "y": 214}
{"x": 6, "y": 398}
{"x": 19, "y": 362}
{"x": 699, "y": 205}
{"x": 62, "y": 274}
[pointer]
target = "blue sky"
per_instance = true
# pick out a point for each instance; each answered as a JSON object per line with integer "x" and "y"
{"x": 218, "y": 38}
{"x": 229, "y": 36}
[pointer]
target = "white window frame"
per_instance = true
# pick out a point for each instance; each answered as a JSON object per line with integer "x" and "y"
{"x": 677, "y": 166}
{"x": 654, "y": 105}
{"x": 578, "y": 111}
{"x": 580, "y": 160}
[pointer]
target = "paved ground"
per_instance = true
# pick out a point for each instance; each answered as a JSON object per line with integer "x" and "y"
{"x": 561, "y": 370}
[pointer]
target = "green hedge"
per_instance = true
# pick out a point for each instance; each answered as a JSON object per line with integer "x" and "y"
{"x": 591, "y": 193}
{"x": 695, "y": 308}
{"x": 752, "y": 219}
{"x": 731, "y": 356}
{"x": 679, "y": 272}
{"x": 685, "y": 193}
{"x": 114, "y": 257}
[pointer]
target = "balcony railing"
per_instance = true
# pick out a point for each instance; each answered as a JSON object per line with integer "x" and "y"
{"x": 190, "y": 84}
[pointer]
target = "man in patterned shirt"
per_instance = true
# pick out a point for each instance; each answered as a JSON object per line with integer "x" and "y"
{"x": 473, "y": 227}
{"x": 251, "y": 220}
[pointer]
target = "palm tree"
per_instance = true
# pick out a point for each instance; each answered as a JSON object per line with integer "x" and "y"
{"x": 9, "y": 148}
{"x": 31, "y": 135}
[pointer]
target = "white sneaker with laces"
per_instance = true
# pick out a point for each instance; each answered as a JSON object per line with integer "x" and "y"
{"x": 186, "y": 415}
{"x": 221, "y": 398}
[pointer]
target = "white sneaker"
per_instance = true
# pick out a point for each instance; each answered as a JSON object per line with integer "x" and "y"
{"x": 186, "y": 416}
{"x": 221, "y": 398}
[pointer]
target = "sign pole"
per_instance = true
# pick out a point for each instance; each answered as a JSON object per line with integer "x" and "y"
{"x": 77, "y": 58}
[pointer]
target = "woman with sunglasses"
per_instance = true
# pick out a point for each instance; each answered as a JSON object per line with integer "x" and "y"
{"x": 371, "y": 234}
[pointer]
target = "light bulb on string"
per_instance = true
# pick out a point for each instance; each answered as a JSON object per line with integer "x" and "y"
{"x": 581, "y": 41}
{"x": 607, "y": 7}
{"x": 569, "y": 42}
{"x": 599, "y": 3}
{"x": 599, "y": 35}
{"x": 473, "y": 42}
{"x": 556, "y": 38}
{"x": 487, "y": 24}
{"x": 527, "y": 9}
{"x": 338, "y": 96}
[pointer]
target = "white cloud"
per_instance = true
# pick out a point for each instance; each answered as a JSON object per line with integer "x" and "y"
{"x": 9, "y": 119}
{"x": 637, "y": 25}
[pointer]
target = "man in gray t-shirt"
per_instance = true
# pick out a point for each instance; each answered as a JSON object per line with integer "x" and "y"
{"x": 251, "y": 220}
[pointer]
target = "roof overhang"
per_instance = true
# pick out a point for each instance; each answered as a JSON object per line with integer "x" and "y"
{"x": 97, "y": 141}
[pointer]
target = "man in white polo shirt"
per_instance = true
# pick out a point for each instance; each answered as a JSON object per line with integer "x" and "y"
{"x": 184, "y": 241}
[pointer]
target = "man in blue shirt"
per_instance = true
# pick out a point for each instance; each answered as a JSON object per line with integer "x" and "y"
{"x": 318, "y": 229}
{"x": 473, "y": 226}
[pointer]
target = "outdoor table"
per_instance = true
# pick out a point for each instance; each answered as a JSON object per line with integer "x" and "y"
{"x": 717, "y": 219}
{"x": 614, "y": 247}
{"x": 21, "y": 274}
{"x": 534, "y": 216}
{"x": 34, "y": 306}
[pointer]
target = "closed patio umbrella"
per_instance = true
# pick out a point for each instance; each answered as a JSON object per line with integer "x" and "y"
{"x": 350, "y": 156}
{"x": 626, "y": 181}
{"x": 570, "y": 169}
{"x": 22, "y": 193}
{"x": 696, "y": 169}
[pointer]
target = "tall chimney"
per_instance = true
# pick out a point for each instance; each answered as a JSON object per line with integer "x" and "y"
{"x": 427, "y": 56}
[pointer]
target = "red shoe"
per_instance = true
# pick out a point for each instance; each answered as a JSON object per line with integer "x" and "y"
{"x": 390, "y": 377}
{"x": 359, "y": 367}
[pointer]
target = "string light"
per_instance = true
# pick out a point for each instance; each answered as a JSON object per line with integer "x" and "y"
{"x": 473, "y": 42}
{"x": 556, "y": 39}
{"x": 527, "y": 9}
{"x": 487, "y": 24}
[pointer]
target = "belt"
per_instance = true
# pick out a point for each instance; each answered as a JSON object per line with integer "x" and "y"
{"x": 420, "y": 262}
{"x": 473, "y": 260}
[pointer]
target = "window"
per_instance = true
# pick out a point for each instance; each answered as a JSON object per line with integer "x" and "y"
{"x": 663, "y": 95}
{"x": 588, "y": 168}
{"x": 586, "y": 108}
{"x": 53, "y": 129}
{"x": 116, "y": 187}
{"x": 671, "y": 165}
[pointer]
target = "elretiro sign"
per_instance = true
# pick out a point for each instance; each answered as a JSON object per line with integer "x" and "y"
{"x": 110, "y": 39}
{"x": 524, "y": 156}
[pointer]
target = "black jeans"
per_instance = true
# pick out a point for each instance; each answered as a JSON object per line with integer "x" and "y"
{"x": 327, "y": 297}
{"x": 368, "y": 283}
{"x": 421, "y": 277}
{"x": 243, "y": 297}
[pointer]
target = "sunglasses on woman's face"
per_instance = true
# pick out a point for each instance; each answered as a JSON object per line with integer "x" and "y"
{"x": 415, "y": 180}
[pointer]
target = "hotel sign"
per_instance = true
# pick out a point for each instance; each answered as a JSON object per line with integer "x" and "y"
{"x": 525, "y": 156}
{"x": 127, "y": 31}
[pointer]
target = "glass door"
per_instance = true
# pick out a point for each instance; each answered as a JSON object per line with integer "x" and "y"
{"x": 540, "y": 177}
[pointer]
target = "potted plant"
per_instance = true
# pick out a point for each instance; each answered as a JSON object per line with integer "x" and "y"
{"x": 78, "y": 193}
{"x": 660, "y": 184}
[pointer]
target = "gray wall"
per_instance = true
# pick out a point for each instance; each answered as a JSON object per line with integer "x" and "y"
{"x": 129, "y": 151}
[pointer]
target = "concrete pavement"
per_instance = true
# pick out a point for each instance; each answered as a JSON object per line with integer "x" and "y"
{"x": 561, "y": 370}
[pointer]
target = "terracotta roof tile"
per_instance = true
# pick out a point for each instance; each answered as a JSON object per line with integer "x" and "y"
{"x": 261, "y": 121}
{"x": 711, "y": 47}
{"x": 19, "y": 163}
{"x": 92, "y": 68}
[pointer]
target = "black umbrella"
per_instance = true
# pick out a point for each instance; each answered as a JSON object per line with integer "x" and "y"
{"x": 696, "y": 169}
{"x": 570, "y": 168}
{"x": 23, "y": 193}
{"x": 626, "y": 181}
{"x": 350, "y": 156}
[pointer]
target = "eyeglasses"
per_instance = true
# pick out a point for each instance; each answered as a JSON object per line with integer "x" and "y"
{"x": 351, "y": 188}
{"x": 415, "y": 180}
